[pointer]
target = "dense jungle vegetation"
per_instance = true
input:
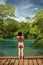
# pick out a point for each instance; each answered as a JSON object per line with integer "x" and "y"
{"x": 9, "y": 28}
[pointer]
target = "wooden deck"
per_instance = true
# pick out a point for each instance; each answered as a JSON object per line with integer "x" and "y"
{"x": 29, "y": 60}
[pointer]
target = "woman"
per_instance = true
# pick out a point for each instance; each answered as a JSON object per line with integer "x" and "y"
{"x": 20, "y": 45}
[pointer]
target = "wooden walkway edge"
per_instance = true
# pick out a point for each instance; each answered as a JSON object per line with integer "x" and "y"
{"x": 27, "y": 60}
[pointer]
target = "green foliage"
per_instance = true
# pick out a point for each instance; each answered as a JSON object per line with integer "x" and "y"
{"x": 25, "y": 28}
{"x": 6, "y": 10}
{"x": 38, "y": 43}
{"x": 28, "y": 17}
{"x": 39, "y": 22}
{"x": 1, "y": 39}
{"x": 40, "y": 36}
{"x": 39, "y": 14}
{"x": 11, "y": 27}
{"x": 34, "y": 30}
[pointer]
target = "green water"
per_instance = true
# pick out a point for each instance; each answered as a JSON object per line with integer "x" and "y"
{"x": 9, "y": 48}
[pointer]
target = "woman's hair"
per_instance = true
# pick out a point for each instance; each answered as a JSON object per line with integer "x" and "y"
{"x": 20, "y": 34}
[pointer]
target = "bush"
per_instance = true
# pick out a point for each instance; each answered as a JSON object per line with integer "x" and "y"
{"x": 38, "y": 43}
{"x": 1, "y": 39}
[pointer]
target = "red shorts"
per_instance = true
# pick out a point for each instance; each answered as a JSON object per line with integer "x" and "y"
{"x": 20, "y": 45}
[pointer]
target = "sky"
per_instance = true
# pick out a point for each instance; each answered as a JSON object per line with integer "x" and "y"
{"x": 24, "y": 8}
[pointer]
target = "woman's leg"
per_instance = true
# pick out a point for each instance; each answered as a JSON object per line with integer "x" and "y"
{"x": 19, "y": 52}
{"x": 22, "y": 52}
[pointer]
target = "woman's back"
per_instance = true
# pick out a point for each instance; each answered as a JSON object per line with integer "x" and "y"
{"x": 20, "y": 38}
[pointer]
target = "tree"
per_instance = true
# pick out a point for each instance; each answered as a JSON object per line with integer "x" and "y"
{"x": 11, "y": 27}
{"x": 5, "y": 11}
{"x": 39, "y": 22}
{"x": 39, "y": 18}
{"x": 35, "y": 31}
{"x": 1, "y": 30}
{"x": 25, "y": 28}
{"x": 28, "y": 19}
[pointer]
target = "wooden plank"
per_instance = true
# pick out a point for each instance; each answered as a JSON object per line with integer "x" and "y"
{"x": 12, "y": 62}
{"x": 1, "y": 64}
{"x": 7, "y": 62}
{"x": 21, "y": 62}
{"x": 3, "y": 61}
{"x": 30, "y": 62}
{"x": 8, "y": 57}
{"x": 25, "y": 61}
{"x": 16, "y": 62}
{"x": 39, "y": 62}
{"x": 35, "y": 62}
{"x": 33, "y": 57}
{"x": 24, "y": 57}
{"x": 42, "y": 60}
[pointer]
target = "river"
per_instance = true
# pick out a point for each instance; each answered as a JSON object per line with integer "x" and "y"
{"x": 9, "y": 48}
